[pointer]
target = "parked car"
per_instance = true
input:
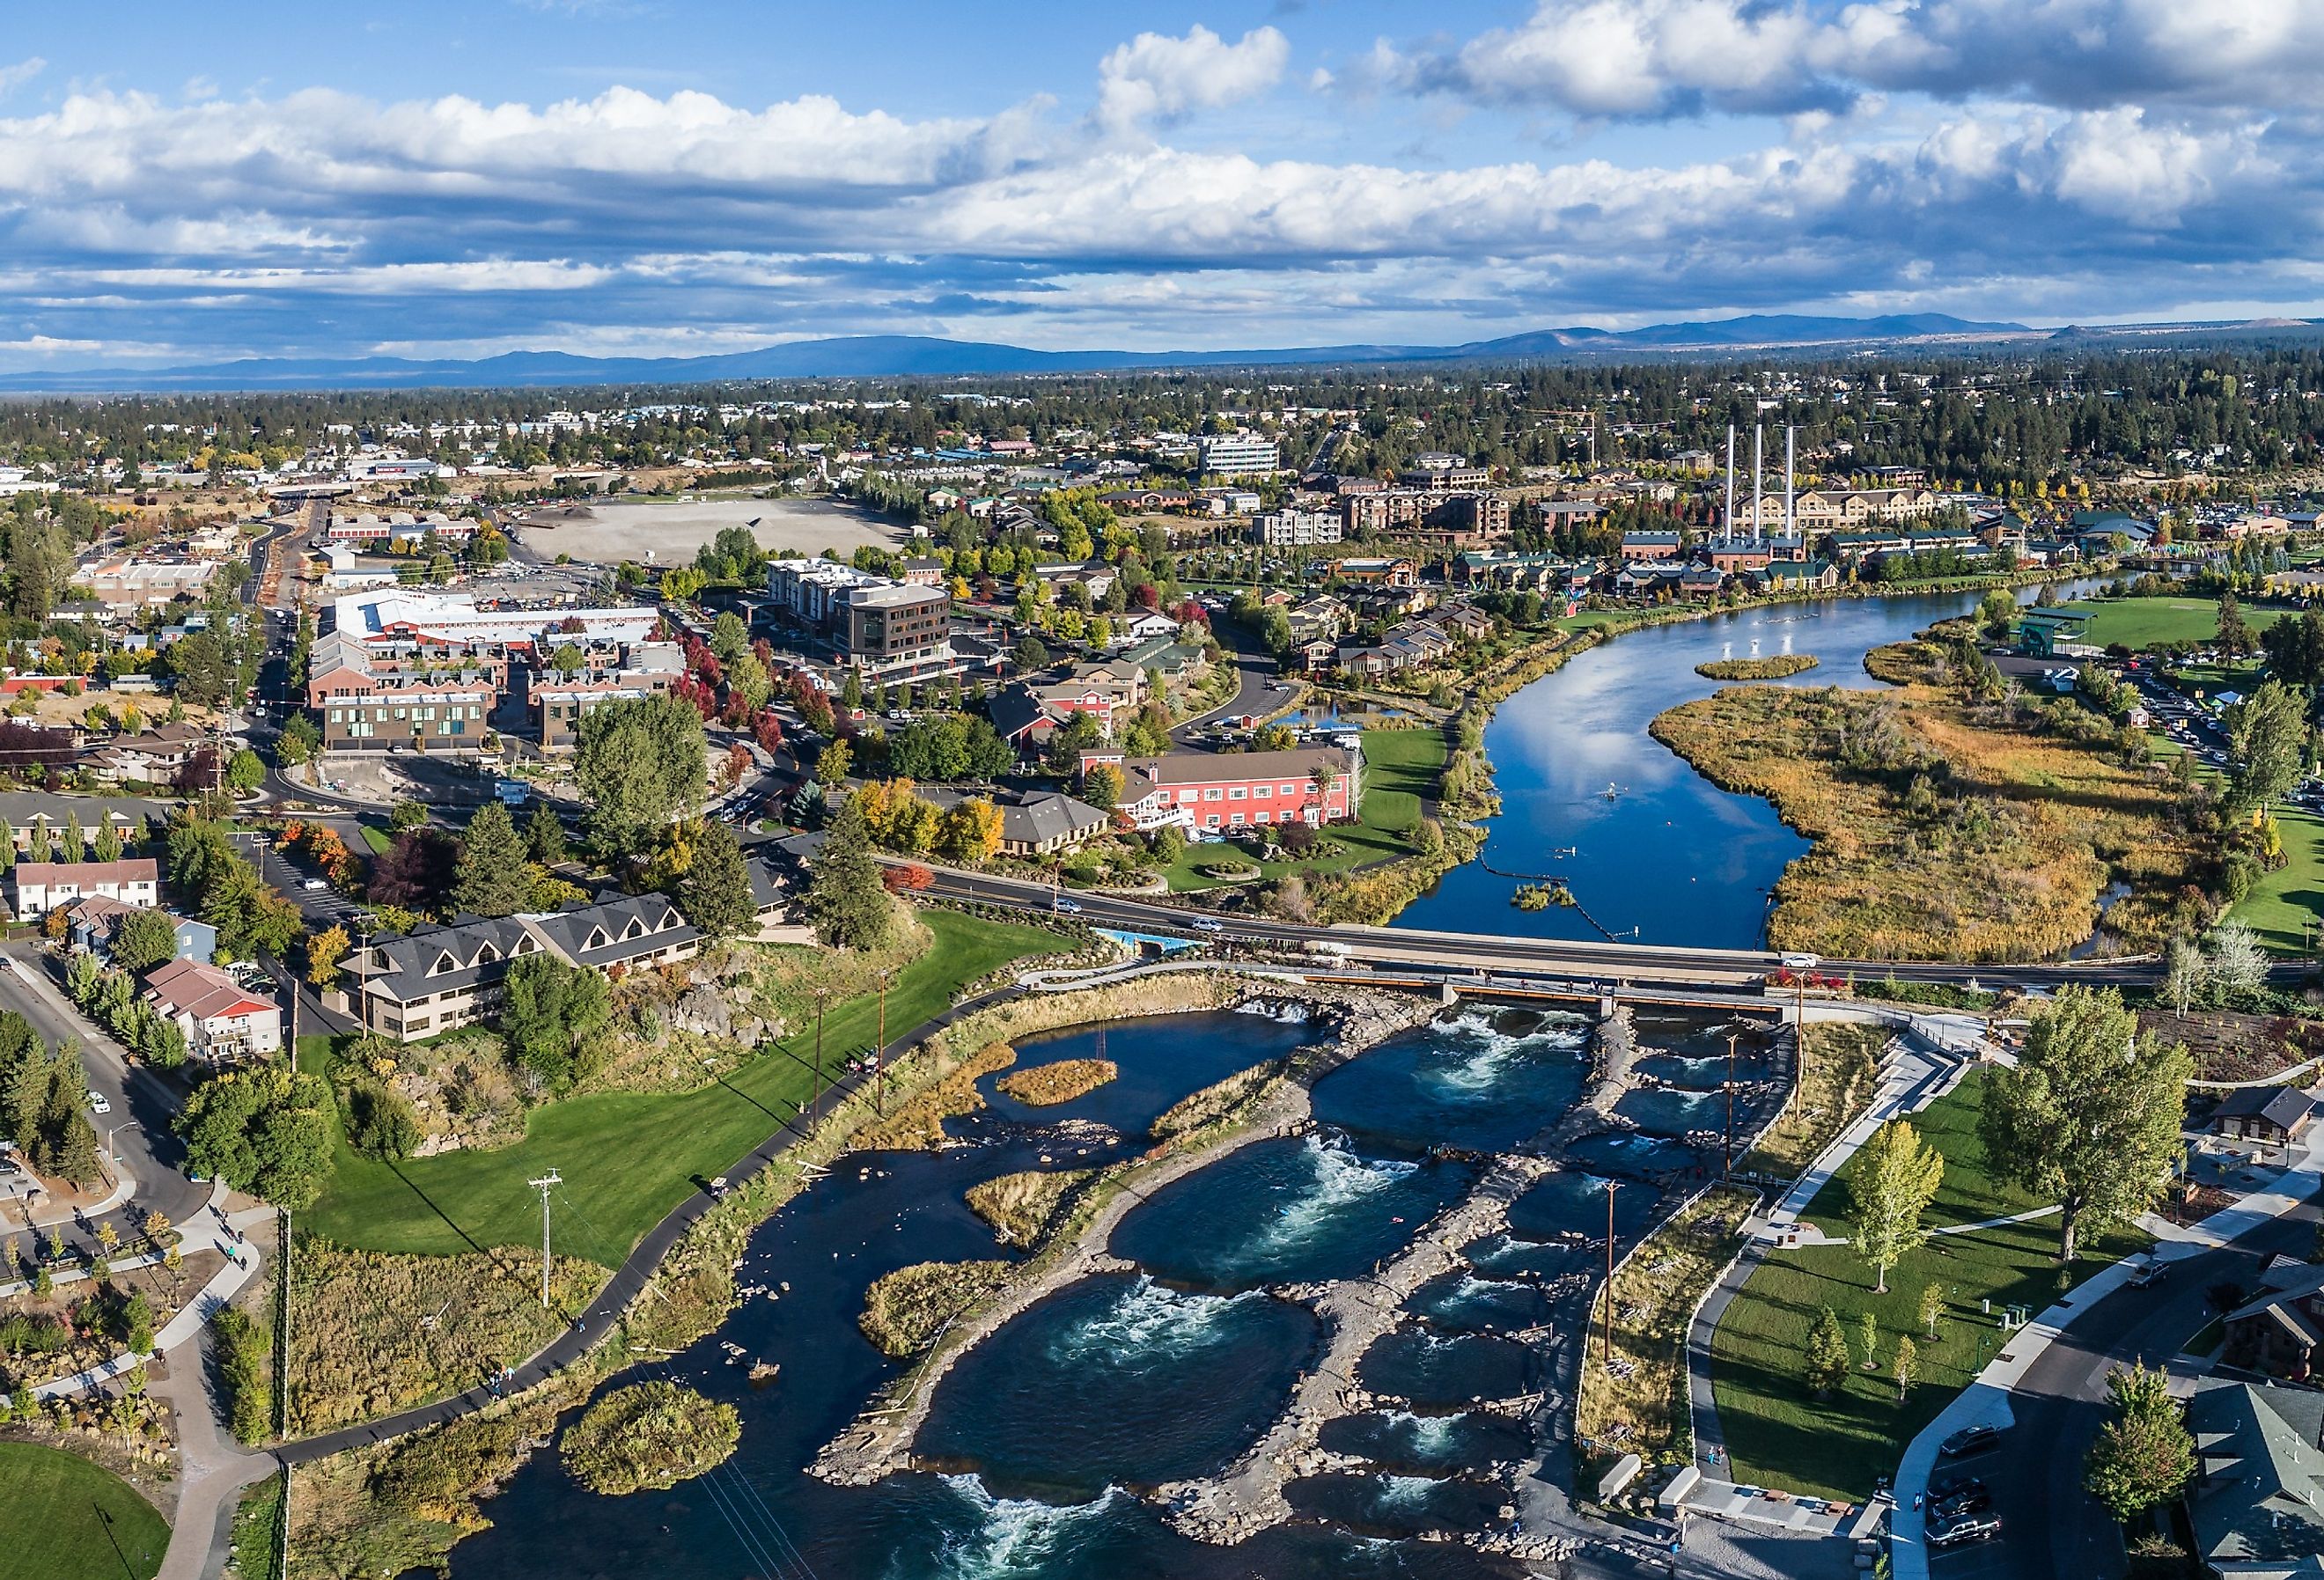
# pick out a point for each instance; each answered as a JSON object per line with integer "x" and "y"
{"x": 1970, "y": 1440}
{"x": 314, "y": 883}
{"x": 2151, "y": 1274}
{"x": 1964, "y": 1530}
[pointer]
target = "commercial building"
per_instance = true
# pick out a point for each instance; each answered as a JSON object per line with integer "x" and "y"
{"x": 392, "y": 616}
{"x": 1210, "y": 791}
{"x": 1238, "y": 455}
{"x": 424, "y": 712}
{"x": 886, "y": 631}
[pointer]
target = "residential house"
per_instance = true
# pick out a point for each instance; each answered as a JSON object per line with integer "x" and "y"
{"x": 2256, "y": 1504}
{"x": 1208, "y": 791}
{"x": 1177, "y": 662}
{"x": 1390, "y": 573}
{"x": 223, "y": 1021}
{"x": 95, "y": 918}
{"x": 42, "y": 886}
{"x": 1034, "y": 823}
{"x": 2280, "y": 1329}
{"x": 159, "y": 755}
{"x": 1146, "y": 626}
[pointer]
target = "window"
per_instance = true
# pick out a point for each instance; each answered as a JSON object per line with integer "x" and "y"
{"x": 1211, "y": 794}
{"x": 1209, "y": 819}
{"x": 1261, "y": 791}
{"x": 1236, "y": 820}
{"x": 1237, "y": 793}
{"x": 1290, "y": 789}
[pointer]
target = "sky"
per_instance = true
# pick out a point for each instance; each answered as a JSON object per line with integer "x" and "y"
{"x": 666, "y": 177}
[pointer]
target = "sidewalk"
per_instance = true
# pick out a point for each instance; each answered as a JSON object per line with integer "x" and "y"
{"x": 190, "y": 1322}
{"x": 1987, "y": 1400}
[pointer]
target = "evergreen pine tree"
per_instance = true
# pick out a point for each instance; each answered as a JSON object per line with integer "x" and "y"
{"x": 545, "y": 832}
{"x": 7, "y": 846}
{"x": 1827, "y": 1353}
{"x": 76, "y": 1153}
{"x": 847, "y": 900}
{"x": 492, "y": 877}
{"x": 716, "y": 894}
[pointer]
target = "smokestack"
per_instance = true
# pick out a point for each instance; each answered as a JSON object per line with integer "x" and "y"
{"x": 1757, "y": 467}
{"x": 1791, "y": 521}
{"x": 1727, "y": 527}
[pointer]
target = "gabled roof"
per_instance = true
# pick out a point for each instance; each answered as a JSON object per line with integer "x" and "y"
{"x": 441, "y": 959}
{"x": 188, "y": 987}
{"x": 2259, "y": 1498}
{"x": 615, "y": 931}
{"x": 2283, "y": 1105}
{"x": 129, "y": 870}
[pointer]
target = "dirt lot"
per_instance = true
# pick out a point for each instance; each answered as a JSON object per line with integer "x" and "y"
{"x": 667, "y": 533}
{"x": 2232, "y": 1046}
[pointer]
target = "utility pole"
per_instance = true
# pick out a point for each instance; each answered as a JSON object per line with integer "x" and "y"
{"x": 544, "y": 1185}
{"x": 1606, "y": 1348}
{"x": 816, "y": 1117}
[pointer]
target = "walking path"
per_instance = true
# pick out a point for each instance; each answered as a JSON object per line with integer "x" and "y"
{"x": 241, "y": 1267}
{"x": 1987, "y": 1400}
{"x": 1911, "y": 1078}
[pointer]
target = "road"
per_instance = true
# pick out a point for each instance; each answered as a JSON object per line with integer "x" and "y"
{"x": 143, "y": 1102}
{"x": 2051, "y": 1527}
{"x": 1258, "y": 673}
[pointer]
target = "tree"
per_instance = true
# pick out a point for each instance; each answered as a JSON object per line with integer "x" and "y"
{"x": 74, "y": 846}
{"x": 325, "y": 950}
{"x": 2267, "y": 743}
{"x": 407, "y": 815}
{"x": 832, "y": 764}
{"x": 2295, "y": 649}
{"x": 2234, "y": 963}
{"x": 730, "y": 639}
{"x": 299, "y": 741}
{"x": 246, "y": 770}
{"x": 1932, "y": 1307}
{"x": 416, "y": 871}
{"x": 2184, "y": 971}
{"x": 145, "y": 939}
{"x": 641, "y": 762}
{"x": 544, "y": 835}
{"x": 1894, "y": 1177}
{"x": 1868, "y": 1340}
{"x": 491, "y": 877}
{"x": 1032, "y": 654}
{"x": 1827, "y": 1353}
{"x": 1102, "y": 787}
{"x": 266, "y": 1130}
{"x": 2234, "y": 638}
{"x": 1997, "y": 617}
{"x": 2144, "y": 1456}
{"x": 969, "y": 833}
{"x": 845, "y": 900}
{"x": 108, "y": 843}
{"x": 551, "y": 1015}
{"x": 2090, "y": 1117}
{"x": 1908, "y": 1364}
{"x": 716, "y": 894}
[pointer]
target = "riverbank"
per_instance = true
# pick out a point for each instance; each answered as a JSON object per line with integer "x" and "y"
{"x": 879, "y": 1442}
{"x": 1945, "y": 825}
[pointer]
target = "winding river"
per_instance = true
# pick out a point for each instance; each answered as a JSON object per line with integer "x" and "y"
{"x": 1667, "y": 857}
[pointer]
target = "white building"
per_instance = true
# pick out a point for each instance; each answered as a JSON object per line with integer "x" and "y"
{"x": 221, "y": 1018}
{"x": 42, "y": 886}
{"x": 1296, "y": 529}
{"x": 1241, "y": 454}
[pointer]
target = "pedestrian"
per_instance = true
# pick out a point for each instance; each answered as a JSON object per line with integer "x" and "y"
{"x": 1916, "y": 1502}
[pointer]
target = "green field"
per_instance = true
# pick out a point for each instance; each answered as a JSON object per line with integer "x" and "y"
{"x": 2284, "y": 906}
{"x": 1401, "y": 768}
{"x": 628, "y": 1157}
{"x": 64, "y": 1519}
{"x": 2137, "y": 623}
{"x": 1776, "y": 1430}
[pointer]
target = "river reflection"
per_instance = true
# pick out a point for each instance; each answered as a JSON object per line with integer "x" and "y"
{"x": 1668, "y": 858}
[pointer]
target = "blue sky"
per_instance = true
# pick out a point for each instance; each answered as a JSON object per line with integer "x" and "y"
{"x": 657, "y": 177}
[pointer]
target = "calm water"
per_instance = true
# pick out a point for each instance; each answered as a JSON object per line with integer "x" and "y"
{"x": 1038, "y": 1441}
{"x": 1670, "y": 854}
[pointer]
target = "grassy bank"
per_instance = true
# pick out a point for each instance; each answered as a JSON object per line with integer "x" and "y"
{"x": 1778, "y": 1432}
{"x": 1948, "y": 829}
{"x": 628, "y": 1158}
{"x": 1840, "y": 1070}
{"x": 66, "y": 1519}
{"x": 1775, "y": 667}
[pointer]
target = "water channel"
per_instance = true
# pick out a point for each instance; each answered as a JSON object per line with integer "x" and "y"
{"x": 1667, "y": 853}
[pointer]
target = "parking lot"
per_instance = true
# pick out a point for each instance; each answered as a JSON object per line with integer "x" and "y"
{"x": 1988, "y": 1507}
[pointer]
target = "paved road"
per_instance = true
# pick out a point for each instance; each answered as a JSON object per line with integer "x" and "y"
{"x": 2052, "y": 1527}
{"x": 142, "y": 1102}
{"x": 1258, "y": 673}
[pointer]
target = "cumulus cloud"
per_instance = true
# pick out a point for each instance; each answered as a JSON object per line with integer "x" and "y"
{"x": 321, "y": 221}
{"x": 1652, "y": 59}
{"x": 15, "y": 77}
{"x": 1156, "y": 76}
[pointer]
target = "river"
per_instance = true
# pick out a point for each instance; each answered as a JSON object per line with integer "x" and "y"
{"x": 1039, "y": 1439}
{"x": 1668, "y": 857}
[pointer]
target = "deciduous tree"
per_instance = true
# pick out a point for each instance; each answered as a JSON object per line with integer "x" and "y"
{"x": 2144, "y": 1456}
{"x": 1893, "y": 1180}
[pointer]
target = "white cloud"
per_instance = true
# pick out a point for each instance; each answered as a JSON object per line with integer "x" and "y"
{"x": 1156, "y": 76}
{"x": 12, "y": 77}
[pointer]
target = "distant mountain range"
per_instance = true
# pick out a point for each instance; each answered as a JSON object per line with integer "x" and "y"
{"x": 914, "y": 355}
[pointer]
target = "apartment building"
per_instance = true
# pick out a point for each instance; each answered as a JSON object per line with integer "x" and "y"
{"x": 1211, "y": 792}
{"x": 1296, "y": 529}
{"x": 1241, "y": 455}
{"x": 886, "y": 631}
{"x": 222, "y": 1019}
{"x": 423, "y": 711}
{"x": 42, "y": 886}
{"x": 560, "y": 701}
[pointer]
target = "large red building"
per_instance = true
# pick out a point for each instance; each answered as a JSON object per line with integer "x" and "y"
{"x": 1209, "y": 792}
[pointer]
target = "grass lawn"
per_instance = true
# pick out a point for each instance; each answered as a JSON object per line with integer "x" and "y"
{"x": 2281, "y": 900}
{"x": 628, "y": 1157}
{"x": 376, "y": 838}
{"x": 1401, "y": 768}
{"x": 64, "y": 1519}
{"x": 2137, "y": 622}
{"x": 1776, "y": 1430}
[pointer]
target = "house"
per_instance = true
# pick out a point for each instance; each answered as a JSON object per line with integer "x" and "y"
{"x": 2256, "y": 1504}
{"x": 1211, "y": 791}
{"x": 1147, "y": 626}
{"x": 154, "y": 756}
{"x": 222, "y": 1019}
{"x": 1390, "y": 573}
{"x": 1034, "y": 823}
{"x": 2279, "y": 1329}
{"x": 95, "y": 918}
{"x": 1177, "y": 662}
{"x": 1463, "y": 623}
{"x": 42, "y": 886}
{"x": 922, "y": 573}
{"x": 1020, "y": 720}
{"x": 2273, "y": 1116}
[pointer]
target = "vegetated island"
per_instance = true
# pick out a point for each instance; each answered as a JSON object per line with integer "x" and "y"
{"x": 904, "y": 1310}
{"x": 1022, "y": 1207}
{"x": 1045, "y": 1086}
{"x": 1773, "y": 667}
{"x": 1953, "y": 819}
{"x": 649, "y": 1435}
